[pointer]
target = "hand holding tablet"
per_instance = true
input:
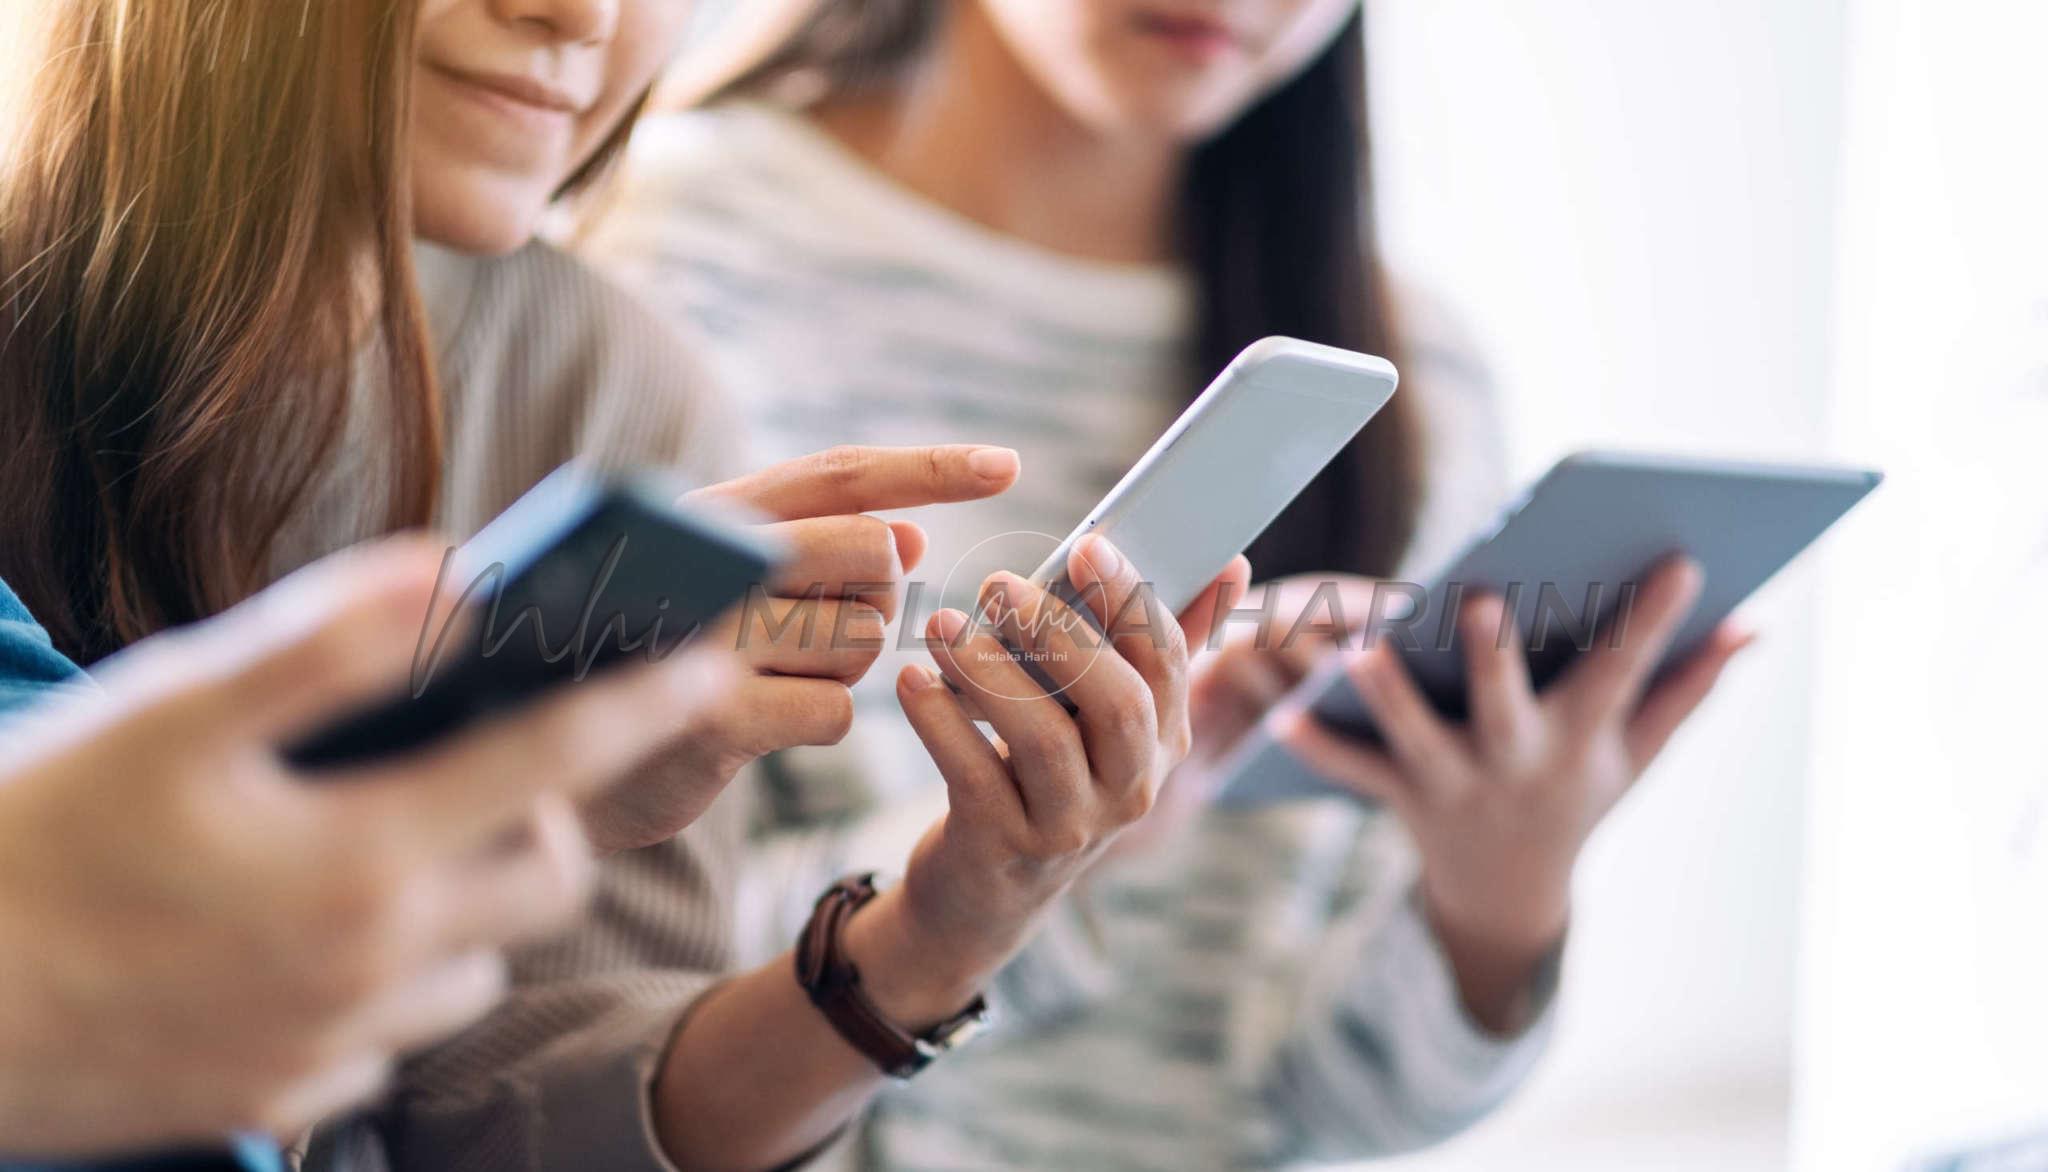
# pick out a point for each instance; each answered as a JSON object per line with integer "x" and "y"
{"x": 1571, "y": 554}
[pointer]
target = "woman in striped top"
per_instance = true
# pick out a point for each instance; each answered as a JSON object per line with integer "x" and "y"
{"x": 1050, "y": 220}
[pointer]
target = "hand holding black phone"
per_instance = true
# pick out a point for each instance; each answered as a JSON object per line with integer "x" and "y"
{"x": 581, "y": 575}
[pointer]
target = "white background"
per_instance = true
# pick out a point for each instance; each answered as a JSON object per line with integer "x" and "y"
{"x": 1807, "y": 228}
{"x": 1633, "y": 203}
{"x": 1924, "y": 1008}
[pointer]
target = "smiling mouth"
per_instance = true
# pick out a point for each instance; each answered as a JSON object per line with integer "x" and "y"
{"x": 1196, "y": 36}
{"x": 523, "y": 94}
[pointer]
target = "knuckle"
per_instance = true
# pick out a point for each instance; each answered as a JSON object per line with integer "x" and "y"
{"x": 367, "y": 966}
{"x": 874, "y": 545}
{"x": 841, "y": 464}
{"x": 365, "y": 924}
{"x": 286, "y": 1057}
{"x": 1037, "y": 740}
{"x": 1175, "y": 646}
{"x": 866, "y": 623}
{"x": 1570, "y": 757}
{"x": 1495, "y": 738}
{"x": 835, "y": 715}
{"x": 334, "y": 652}
{"x": 1064, "y": 841}
{"x": 860, "y": 660}
{"x": 1136, "y": 802}
{"x": 490, "y": 988}
{"x": 883, "y": 602}
{"x": 579, "y": 738}
{"x": 484, "y": 988}
{"x": 1135, "y": 712}
{"x": 363, "y": 889}
{"x": 936, "y": 472}
{"x": 1129, "y": 718}
{"x": 176, "y": 653}
{"x": 1018, "y": 841}
{"x": 324, "y": 1086}
{"x": 269, "y": 1111}
{"x": 568, "y": 871}
{"x": 1180, "y": 741}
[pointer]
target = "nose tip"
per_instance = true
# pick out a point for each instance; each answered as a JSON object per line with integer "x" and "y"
{"x": 573, "y": 21}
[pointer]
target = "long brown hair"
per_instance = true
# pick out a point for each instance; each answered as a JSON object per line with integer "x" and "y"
{"x": 1276, "y": 223}
{"x": 204, "y": 215}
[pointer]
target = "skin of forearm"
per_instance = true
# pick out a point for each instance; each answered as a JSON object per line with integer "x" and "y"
{"x": 1494, "y": 952}
{"x": 757, "y": 1076}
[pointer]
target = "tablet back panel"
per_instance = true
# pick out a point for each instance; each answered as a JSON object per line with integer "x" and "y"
{"x": 1572, "y": 549}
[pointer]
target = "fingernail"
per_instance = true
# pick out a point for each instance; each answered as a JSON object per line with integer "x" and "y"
{"x": 1485, "y": 616}
{"x": 1102, "y": 556}
{"x": 1477, "y": 610}
{"x": 994, "y": 598}
{"x": 896, "y": 557}
{"x": 994, "y": 463}
{"x": 946, "y": 625}
{"x": 919, "y": 679}
{"x": 1281, "y": 719}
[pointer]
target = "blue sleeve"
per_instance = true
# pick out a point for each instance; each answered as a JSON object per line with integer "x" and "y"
{"x": 251, "y": 1155}
{"x": 29, "y": 666}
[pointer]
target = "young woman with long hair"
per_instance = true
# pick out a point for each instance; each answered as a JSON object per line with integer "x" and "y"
{"x": 225, "y": 354}
{"x": 1052, "y": 221}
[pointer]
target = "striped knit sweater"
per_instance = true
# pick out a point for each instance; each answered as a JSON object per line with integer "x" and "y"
{"x": 541, "y": 362}
{"x": 1264, "y": 989}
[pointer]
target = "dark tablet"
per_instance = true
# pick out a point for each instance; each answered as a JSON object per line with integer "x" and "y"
{"x": 1565, "y": 556}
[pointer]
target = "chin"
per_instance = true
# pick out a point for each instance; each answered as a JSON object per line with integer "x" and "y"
{"x": 1180, "y": 126}
{"x": 482, "y": 219}
{"x": 1182, "y": 114}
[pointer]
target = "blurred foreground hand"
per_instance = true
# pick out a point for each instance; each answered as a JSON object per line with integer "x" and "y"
{"x": 195, "y": 941}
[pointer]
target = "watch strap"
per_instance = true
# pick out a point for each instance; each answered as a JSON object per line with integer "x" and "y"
{"x": 833, "y": 984}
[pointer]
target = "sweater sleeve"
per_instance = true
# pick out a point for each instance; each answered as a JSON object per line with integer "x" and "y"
{"x": 1380, "y": 1056}
{"x": 548, "y": 362}
{"x": 559, "y": 1078}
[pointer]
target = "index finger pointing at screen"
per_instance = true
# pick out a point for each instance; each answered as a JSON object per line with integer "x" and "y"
{"x": 859, "y": 480}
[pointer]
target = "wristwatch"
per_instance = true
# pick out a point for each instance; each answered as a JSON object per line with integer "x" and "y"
{"x": 834, "y": 986}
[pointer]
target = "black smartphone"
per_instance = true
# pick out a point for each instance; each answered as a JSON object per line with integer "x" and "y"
{"x": 583, "y": 574}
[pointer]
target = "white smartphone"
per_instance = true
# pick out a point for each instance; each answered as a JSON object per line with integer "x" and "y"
{"x": 1238, "y": 456}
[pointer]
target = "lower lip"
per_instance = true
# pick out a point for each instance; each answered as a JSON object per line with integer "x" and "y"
{"x": 1200, "y": 46}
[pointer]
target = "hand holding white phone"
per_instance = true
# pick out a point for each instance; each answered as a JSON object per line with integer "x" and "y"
{"x": 1262, "y": 431}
